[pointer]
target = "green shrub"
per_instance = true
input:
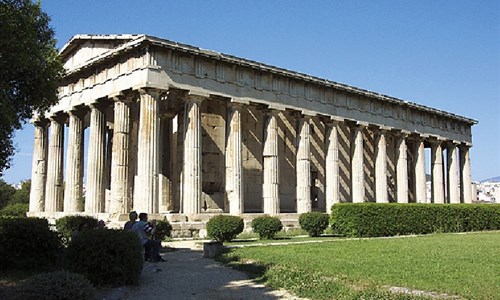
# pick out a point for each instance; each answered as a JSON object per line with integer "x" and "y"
{"x": 56, "y": 285}
{"x": 314, "y": 223}
{"x": 376, "y": 219}
{"x": 106, "y": 257}
{"x": 15, "y": 210}
{"x": 224, "y": 228}
{"x": 28, "y": 243}
{"x": 66, "y": 225}
{"x": 266, "y": 226}
{"x": 163, "y": 229}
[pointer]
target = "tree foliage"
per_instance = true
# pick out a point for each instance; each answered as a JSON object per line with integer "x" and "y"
{"x": 30, "y": 68}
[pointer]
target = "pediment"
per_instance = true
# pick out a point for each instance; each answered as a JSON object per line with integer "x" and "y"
{"x": 82, "y": 48}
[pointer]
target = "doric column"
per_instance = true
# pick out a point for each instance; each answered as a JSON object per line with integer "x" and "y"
{"x": 54, "y": 190}
{"x": 94, "y": 196}
{"x": 234, "y": 167}
{"x": 381, "y": 195}
{"x": 402, "y": 170}
{"x": 192, "y": 180}
{"x": 39, "y": 168}
{"x": 437, "y": 172}
{"x": 73, "y": 190}
{"x": 357, "y": 167}
{"x": 332, "y": 166}
{"x": 271, "y": 165}
{"x": 146, "y": 181}
{"x": 453, "y": 179}
{"x": 120, "y": 180}
{"x": 303, "y": 166}
{"x": 466, "y": 182}
{"x": 420, "y": 177}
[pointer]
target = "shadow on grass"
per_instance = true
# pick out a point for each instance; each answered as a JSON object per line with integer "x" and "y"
{"x": 254, "y": 270}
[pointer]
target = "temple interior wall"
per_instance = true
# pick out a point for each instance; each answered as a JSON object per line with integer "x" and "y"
{"x": 318, "y": 154}
{"x": 252, "y": 159}
{"x": 369, "y": 164}
{"x": 287, "y": 149}
{"x": 391, "y": 167}
{"x": 344, "y": 136}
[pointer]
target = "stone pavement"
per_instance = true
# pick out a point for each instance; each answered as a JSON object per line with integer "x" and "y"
{"x": 187, "y": 275}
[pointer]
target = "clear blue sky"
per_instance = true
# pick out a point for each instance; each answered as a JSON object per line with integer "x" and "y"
{"x": 442, "y": 54}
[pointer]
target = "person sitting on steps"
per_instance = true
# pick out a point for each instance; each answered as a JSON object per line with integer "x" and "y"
{"x": 144, "y": 230}
{"x": 132, "y": 220}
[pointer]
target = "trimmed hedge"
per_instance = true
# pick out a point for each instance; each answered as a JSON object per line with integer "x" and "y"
{"x": 28, "y": 243}
{"x": 56, "y": 285}
{"x": 106, "y": 257}
{"x": 266, "y": 226}
{"x": 224, "y": 228}
{"x": 163, "y": 229}
{"x": 66, "y": 225}
{"x": 377, "y": 219}
{"x": 314, "y": 223}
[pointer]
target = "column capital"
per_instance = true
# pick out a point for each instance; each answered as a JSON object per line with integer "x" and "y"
{"x": 153, "y": 92}
{"x": 78, "y": 111}
{"x": 59, "y": 117}
{"x": 100, "y": 105}
{"x": 40, "y": 122}
{"x": 465, "y": 146}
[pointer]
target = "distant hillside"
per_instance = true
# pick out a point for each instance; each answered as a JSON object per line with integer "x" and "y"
{"x": 493, "y": 179}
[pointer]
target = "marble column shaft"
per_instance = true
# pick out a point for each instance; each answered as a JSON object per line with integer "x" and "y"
{"x": 234, "y": 167}
{"x": 146, "y": 182}
{"x": 39, "y": 168}
{"x": 357, "y": 167}
{"x": 271, "y": 165}
{"x": 453, "y": 179}
{"x": 381, "y": 194}
{"x": 303, "y": 167}
{"x": 54, "y": 189}
{"x": 420, "y": 176}
{"x": 466, "y": 181}
{"x": 437, "y": 172}
{"x": 120, "y": 180}
{"x": 332, "y": 167}
{"x": 73, "y": 191}
{"x": 192, "y": 180}
{"x": 95, "y": 196}
{"x": 402, "y": 170}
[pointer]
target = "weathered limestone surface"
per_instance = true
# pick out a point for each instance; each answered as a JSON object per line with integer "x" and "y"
{"x": 54, "y": 191}
{"x": 197, "y": 132}
{"x": 94, "y": 197}
{"x": 39, "y": 168}
{"x": 73, "y": 190}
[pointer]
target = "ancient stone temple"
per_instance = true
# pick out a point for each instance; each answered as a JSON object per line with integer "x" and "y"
{"x": 161, "y": 127}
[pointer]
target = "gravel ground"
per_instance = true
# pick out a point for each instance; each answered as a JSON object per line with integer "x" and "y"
{"x": 187, "y": 275}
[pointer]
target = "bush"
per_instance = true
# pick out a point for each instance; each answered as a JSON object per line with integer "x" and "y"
{"x": 28, "y": 243}
{"x": 66, "y": 225}
{"x": 15, "y": 210}
{"x": 224, "y": 228}
{"x": 57, "y": 285}
{"x": 106, "y": 257}
{"x": 314, "y": 223}
{"x": 376, "y": 219}
{"x": 266, "y": 226}
{"x": 163, "y": 229}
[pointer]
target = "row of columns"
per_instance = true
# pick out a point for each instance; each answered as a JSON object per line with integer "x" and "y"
{"x": 47, "y": 180}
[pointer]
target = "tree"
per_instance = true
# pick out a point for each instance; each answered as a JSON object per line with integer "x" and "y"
{"x": 7, "y": 191}
{"x": 22, "y": 195}
{"x": 30, "y": 68}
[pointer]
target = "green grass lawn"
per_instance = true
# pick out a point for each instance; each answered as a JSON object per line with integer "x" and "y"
{"x": 467, "y": 265}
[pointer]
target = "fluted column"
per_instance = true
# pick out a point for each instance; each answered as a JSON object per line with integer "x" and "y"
{"x": 271, "y": 165}
{"x": 234, "y": 167}
{"x": 437, "y": 172}
{"x": 420, "y": 177}
{"x": 73, "y": 191}
{"x": 453, "y": 179}
{"x": 357, "y": 167}
{"x": 120, "y": 180}
{"x": 466, "y": 181}
{"x": 303, "y": 167}
{"x": 381, "y": 195}
{"x": 39, "y": 168}
{"x": 332, "y": 166}
{"x": 192, "y": 180}
{"x": 94, "y": 196}
{"x": 54, "y": 189}
{"x": 146, "y": 182}
{"x": 402, "y": 170}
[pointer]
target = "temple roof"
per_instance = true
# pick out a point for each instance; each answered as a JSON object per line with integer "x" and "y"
{"x": 117, "y": 44}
